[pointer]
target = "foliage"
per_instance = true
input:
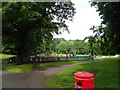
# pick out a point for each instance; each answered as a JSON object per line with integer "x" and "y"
{"x": 108, "y": 31}
{"x": 102, "y": 40}
{"x": 63, "y": 46}
{"x": 106, "y": 75}
{"x": 79, "y": 45}
{"x": 27, "y": 24}
{"x": 91, "y": 40}
{"x": 56, "y": 42}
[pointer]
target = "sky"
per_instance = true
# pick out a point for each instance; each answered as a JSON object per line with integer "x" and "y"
{"x": 85, "y": 17}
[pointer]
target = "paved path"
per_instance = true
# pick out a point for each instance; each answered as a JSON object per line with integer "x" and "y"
{"x": 24, "y": 80}
{"x": 50, "y": 71}
{"x": 14, "y": 80}
{"x": 36, "y": 79}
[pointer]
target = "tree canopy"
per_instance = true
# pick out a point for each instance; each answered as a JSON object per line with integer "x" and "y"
{"x": 79, "y": 45}
{"x": 108, "y": 32}
{"x": 27, "y": 24}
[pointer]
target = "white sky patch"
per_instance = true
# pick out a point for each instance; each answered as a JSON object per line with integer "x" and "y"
{"x": 85, "y": 17}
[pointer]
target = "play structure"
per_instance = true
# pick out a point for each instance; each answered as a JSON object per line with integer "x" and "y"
{"x": 72, "y": 52}
{"x": 63, "y": 58}
{"x": 70, "y": 56}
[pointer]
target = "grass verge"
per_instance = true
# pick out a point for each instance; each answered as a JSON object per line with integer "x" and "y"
{"x": 5, "y": 56}
{"x": 106, "y": 74}
{"x": 61, "y": 63}
{"x": 25, "y": 68}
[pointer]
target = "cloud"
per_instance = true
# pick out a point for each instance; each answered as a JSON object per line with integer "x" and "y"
{"x": 84, "y": 19}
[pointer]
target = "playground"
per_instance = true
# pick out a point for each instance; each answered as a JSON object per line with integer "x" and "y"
{"x": 59, "y": 44}
{"x": 60, "y": 74}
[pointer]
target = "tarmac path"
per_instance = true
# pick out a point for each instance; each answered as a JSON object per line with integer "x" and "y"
{"x": 50, "y": 71}
{"x": 35, "y": 79}
{"x": 14, "y": 80}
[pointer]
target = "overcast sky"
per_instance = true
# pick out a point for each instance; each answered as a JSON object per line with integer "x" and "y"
{"x": 85, "y": 17}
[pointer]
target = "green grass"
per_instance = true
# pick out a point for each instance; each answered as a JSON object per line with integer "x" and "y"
{"x": 106, "y": 75}
{"x": 5, "y": 56}
{"x": 61, "y": 63}
{"x": 26, "y": 68}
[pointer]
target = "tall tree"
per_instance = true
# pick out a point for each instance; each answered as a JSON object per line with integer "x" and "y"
{"x": 110, "y": 14}
{"x": 101, "y": 38}
{"x": 63, "y": 46}
{"x": 78, "y": 45}
{"x": 27, "y": 24}
{"x": 56, "y": 42}
{"x": 91, "y": 41}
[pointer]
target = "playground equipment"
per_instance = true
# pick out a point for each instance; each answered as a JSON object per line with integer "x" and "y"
{"x": 72, "y": 52}
{"x": 63, "y": 58}
{"x": 84, "y": 80}
{"x": 59, "y": 58}
{"x": 47, "y": 54}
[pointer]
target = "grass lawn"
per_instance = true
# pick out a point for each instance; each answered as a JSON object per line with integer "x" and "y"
{"x": 106, "y": 74}
{"x": 25, "y": 68}
{"x": 61, "y": 63}
{"x": 5, "y": 56}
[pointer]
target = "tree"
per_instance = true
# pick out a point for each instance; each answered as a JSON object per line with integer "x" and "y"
{"x": 110, "y": 14}
{"x": 63, "y": 46}
{"x": 79, "y": 46}
{"x": 91, "y": 41}
{"x": 0, "y": 28}
{"x": 27, "y": 24}
{"x": 56, "y": 42}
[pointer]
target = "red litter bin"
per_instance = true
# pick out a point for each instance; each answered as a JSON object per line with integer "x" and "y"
{"x": 84, "y": 80}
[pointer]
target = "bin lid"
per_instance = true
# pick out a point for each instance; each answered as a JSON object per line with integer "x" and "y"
{"x": 83, "y": 74}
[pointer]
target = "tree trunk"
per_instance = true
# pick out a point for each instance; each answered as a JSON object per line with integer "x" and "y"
{"x": 21, "y": 54}
{"x": 19, "y": 58}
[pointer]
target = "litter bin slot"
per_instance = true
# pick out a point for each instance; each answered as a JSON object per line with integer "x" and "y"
{"x": 79, "y": 83}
